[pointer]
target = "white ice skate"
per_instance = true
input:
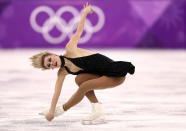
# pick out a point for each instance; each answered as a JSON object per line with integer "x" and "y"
{"x": 58, "y": 111}
{"x": 96, "y": 116}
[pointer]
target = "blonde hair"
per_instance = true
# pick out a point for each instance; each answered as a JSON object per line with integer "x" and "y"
{"x": 38, "y": 60}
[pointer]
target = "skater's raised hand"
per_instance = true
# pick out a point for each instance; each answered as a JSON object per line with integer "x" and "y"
{"x": 87, "y": 8}
{"x": 49, "y": 116}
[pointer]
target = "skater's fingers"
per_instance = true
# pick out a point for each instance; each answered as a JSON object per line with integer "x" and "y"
{"x": 49, "y": 117}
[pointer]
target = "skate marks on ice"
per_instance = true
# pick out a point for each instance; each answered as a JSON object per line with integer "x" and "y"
{"x": 152, "y": 99}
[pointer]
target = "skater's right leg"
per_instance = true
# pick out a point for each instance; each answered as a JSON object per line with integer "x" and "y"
{"x": 97, "y": 109}
{"x": 84, "y": 77}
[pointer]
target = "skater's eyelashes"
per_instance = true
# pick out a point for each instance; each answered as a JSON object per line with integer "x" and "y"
{"x": 49, "y": 60}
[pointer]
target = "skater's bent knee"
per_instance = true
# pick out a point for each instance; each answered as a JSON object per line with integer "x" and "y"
{"x": 83, "y": 89}
{"x": 121, "y": 79}
{"x": 78, "y": 80}
{"x": 118, "y": 80}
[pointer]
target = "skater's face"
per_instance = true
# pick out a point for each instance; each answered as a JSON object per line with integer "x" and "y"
{"x": 52, "y": 61}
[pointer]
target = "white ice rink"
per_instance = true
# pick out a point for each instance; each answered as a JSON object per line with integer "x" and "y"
{"x": 153, "y": 99}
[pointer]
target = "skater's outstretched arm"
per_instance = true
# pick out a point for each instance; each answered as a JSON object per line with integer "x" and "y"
{"x": 72, "y": 44}
{"x": 60, "y": 79}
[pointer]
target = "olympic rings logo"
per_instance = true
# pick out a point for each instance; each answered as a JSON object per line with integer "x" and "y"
{"x": 65, "y": 28}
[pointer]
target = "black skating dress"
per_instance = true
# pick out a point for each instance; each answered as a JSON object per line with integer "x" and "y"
{"x": 99, "y": 64}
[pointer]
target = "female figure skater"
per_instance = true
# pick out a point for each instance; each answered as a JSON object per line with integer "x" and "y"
{"x": 94, "y": 72}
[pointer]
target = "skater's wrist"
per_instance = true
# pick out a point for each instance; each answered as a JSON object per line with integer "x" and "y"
{"x": 51, "y": 112}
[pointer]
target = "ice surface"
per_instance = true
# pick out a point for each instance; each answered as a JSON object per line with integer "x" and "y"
{"x": 153, "y": 99}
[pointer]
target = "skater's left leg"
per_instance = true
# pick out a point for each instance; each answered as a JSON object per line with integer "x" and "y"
{"x": 102, "y": 82}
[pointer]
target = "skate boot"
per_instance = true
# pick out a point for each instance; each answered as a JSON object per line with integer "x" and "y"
{"x": 58, "y": 111}
{"x": 96, "y": 116}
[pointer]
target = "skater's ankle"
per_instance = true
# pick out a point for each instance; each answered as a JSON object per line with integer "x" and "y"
{"x": 95, "y": 101}
{"x": 64, "y": 107}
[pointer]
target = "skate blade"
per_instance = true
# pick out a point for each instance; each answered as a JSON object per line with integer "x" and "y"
{"x": 93, "y": 122}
